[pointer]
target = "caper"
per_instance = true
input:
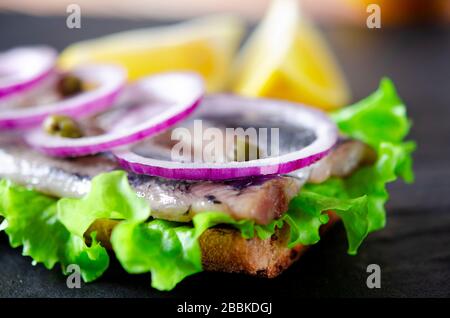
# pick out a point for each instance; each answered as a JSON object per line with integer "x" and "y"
{"x": 63, "y": 126}
{"x": 69, "y": 85}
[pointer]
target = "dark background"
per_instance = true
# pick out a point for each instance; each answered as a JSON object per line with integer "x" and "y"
{"x": 413, "y": 251}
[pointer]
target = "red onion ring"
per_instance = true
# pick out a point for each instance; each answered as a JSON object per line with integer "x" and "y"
{"x": 174, "y": 96}
{"x": 324, "y": 128}
{"x": 23, "y": 68}
{"x": 110, "y": 80}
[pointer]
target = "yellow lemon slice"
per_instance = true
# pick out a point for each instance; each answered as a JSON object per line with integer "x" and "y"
{"x": 287, "y": 58}
{"x": 205, "y": 45}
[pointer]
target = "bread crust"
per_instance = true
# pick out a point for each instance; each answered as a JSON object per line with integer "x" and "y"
{"x": 225, "y": 250}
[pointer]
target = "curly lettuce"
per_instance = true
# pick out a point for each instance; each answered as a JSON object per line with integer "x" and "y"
{"x": 168, "y": 250}
{"x": 31, "y": 221}
{"x": 380, "y": 121}
{"x": 110, "y": 197}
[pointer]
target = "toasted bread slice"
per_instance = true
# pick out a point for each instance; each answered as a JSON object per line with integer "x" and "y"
{"x": 225, "y": 250}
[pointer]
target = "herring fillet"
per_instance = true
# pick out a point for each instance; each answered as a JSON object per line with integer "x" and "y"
{"x": 260, "y": 199}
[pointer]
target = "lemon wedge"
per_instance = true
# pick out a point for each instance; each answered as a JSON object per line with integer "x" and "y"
{"x": 205, "y": 45}
{"x": 287, "y": 58}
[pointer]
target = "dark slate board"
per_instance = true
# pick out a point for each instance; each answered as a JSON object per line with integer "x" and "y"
{"x": 413, "y": 251}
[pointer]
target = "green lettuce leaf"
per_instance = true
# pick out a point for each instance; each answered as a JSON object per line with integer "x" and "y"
{"x": 306, "y": 215}
{"x": 110, "y": 197}
{"x": 380, "y": 121}
{"x": 169, "y": 250}
{"x": 379, "y": 118}
{"x": 93, "y": 260}
{"x": 207, "y": 220}
{"x": 31, "y": 221}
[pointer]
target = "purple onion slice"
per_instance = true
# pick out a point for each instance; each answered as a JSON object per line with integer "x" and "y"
{"x": 23, "y": 68}
{"x": 293, "y": 118}
{"x": 108, "y": 81}
{"x": 163, "y": 100}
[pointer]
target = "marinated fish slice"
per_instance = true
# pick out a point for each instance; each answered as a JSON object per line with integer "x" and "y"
{"x": 261, "y": 198}
{"x": 343, "y": 160}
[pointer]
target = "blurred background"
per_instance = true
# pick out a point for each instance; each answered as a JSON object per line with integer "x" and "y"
{"x": 327, "y": 11}
{"x": 322, "y": 53}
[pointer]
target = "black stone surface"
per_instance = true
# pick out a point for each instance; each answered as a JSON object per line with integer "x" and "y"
{"x": 413, "y": 251}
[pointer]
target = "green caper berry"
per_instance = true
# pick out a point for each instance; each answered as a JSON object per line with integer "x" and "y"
{"x": 69, "y": 85}
{"x": 63, "y": 126}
